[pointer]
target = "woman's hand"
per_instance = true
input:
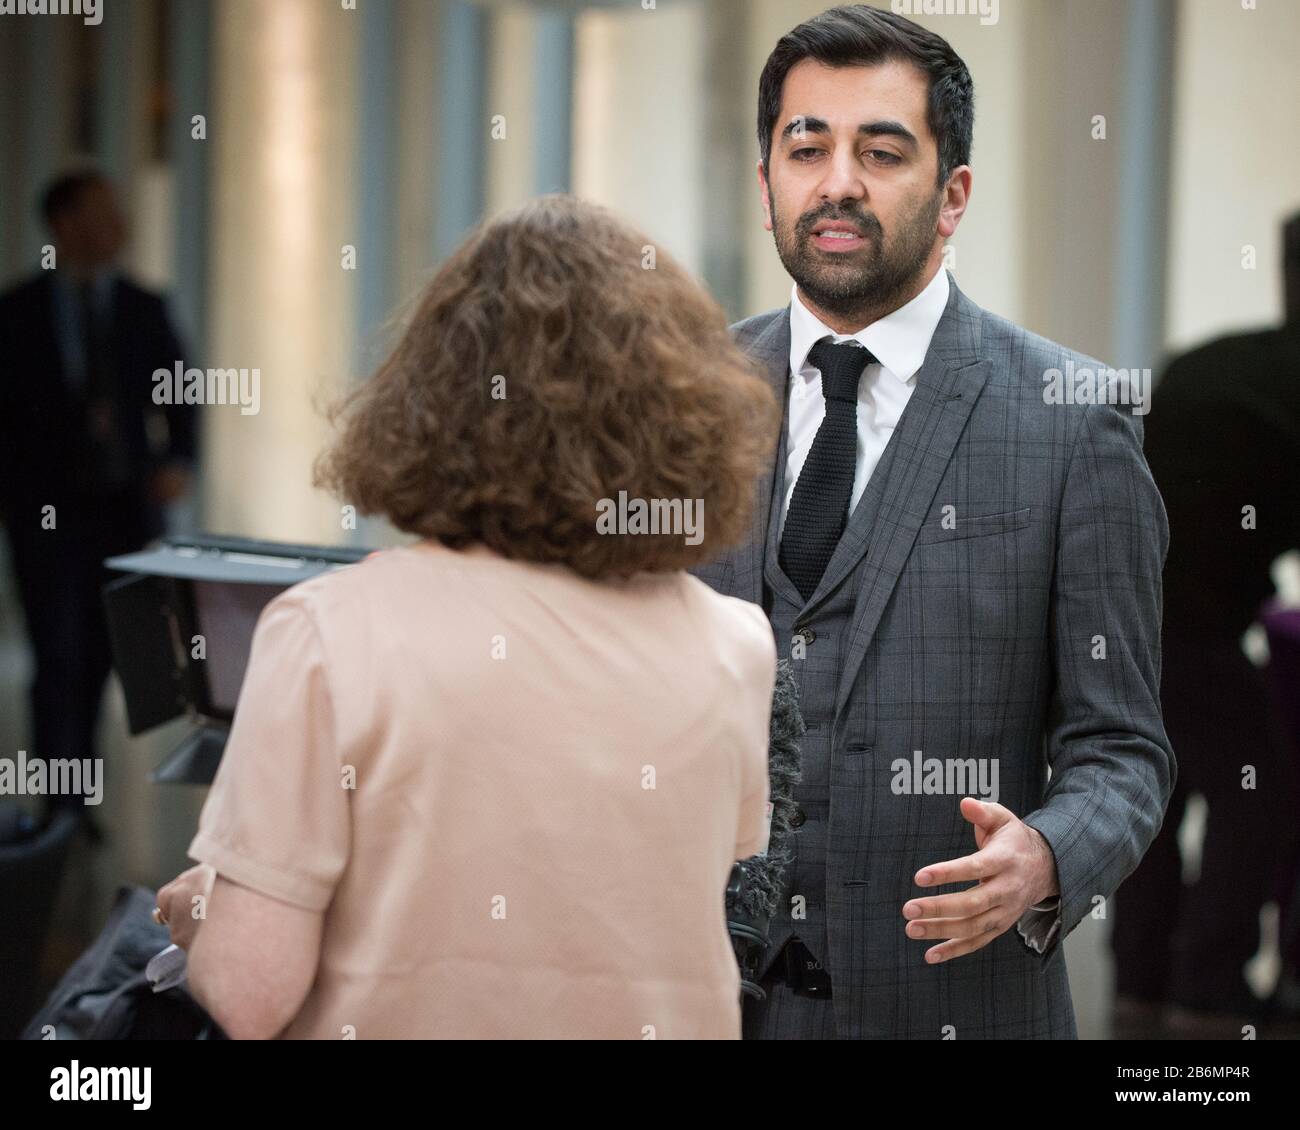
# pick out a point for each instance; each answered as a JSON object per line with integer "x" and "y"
{"x": 179, "y": 912}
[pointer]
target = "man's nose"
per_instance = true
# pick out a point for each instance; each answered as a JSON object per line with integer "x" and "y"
{"x": 843, "y": 179}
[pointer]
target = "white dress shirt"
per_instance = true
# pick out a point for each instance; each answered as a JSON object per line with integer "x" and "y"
{"x": 899, "y": 341}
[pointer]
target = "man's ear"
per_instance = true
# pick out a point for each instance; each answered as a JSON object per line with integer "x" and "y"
{"x": 956, "y": 198}
{"x": 763, "y": 194}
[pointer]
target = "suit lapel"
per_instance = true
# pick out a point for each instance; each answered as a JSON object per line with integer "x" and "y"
{"x": 774, "y": 576}
{"x": 771, "y": 349}
{"x": 947, "y": 386}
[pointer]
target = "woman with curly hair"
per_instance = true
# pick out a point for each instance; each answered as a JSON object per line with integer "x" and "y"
{"x": 492, "y": 783}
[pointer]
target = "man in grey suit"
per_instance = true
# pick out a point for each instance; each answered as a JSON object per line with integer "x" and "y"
{"x": 960, "y": 550}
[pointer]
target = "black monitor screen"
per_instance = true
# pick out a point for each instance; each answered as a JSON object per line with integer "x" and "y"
{"x": 227, "y": 614}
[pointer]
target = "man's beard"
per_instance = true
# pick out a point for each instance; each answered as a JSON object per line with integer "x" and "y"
{"x": 877, "y": 276}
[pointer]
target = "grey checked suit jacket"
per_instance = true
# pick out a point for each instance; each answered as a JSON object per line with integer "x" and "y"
{"x": 984, "y": 641}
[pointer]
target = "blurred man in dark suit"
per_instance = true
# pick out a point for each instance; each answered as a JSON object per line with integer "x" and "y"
{"x": 1223, "y": 442}
{"x": 88, "y": 461}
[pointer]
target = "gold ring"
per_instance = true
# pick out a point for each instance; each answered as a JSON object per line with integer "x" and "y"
{"x": 158, "y": 916}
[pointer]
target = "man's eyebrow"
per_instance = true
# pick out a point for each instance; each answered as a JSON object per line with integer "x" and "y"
{"x": 884, "y": 128}
{"x": 889, "y": 128}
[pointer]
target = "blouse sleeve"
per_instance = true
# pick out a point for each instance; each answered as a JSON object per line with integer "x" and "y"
{"x": 277, "y": 818}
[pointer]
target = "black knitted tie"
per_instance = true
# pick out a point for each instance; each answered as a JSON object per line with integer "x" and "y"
{"x": 819, "y": 507}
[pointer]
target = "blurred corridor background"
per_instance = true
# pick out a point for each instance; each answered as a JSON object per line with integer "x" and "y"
{"x": 291, "y": 171}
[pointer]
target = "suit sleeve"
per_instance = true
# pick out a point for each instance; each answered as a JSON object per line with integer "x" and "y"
{"x": 1112, "y": 766}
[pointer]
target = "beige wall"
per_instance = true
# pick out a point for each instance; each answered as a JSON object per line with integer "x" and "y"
{"x": 1236, "y": 163}
{"x": 639, "y": 85}
{"x": 510, "y": 160}
{"x": 417, "y": 85}
{"x": 282, "y": 209}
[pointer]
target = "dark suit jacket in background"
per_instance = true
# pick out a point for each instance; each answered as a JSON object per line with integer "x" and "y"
{"x": 1225, "y": 433}
{"x": 43, "y": 431}
{"x": 978, "y": 642}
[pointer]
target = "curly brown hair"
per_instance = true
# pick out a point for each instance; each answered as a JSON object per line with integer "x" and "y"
{"x": 549, "y": 365}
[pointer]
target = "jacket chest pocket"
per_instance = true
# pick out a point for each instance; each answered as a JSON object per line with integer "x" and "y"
{"x": 933, "y": 532}
{"x": 969, "y": 582}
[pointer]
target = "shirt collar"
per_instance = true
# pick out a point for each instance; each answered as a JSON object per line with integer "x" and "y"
{"x": 899, "y": 340}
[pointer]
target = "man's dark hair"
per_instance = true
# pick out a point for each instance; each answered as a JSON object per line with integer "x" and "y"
{"x": 63, "y": 192}
{"x": 856, "y": 35}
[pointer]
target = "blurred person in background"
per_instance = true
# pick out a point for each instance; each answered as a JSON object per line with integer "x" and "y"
{"x": 1223, "y": 435}
{"x": 88, "y": 461}
{"x": 492, "y": 783}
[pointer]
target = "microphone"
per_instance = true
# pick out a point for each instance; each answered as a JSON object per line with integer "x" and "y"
{"x": 754, "y": 887}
